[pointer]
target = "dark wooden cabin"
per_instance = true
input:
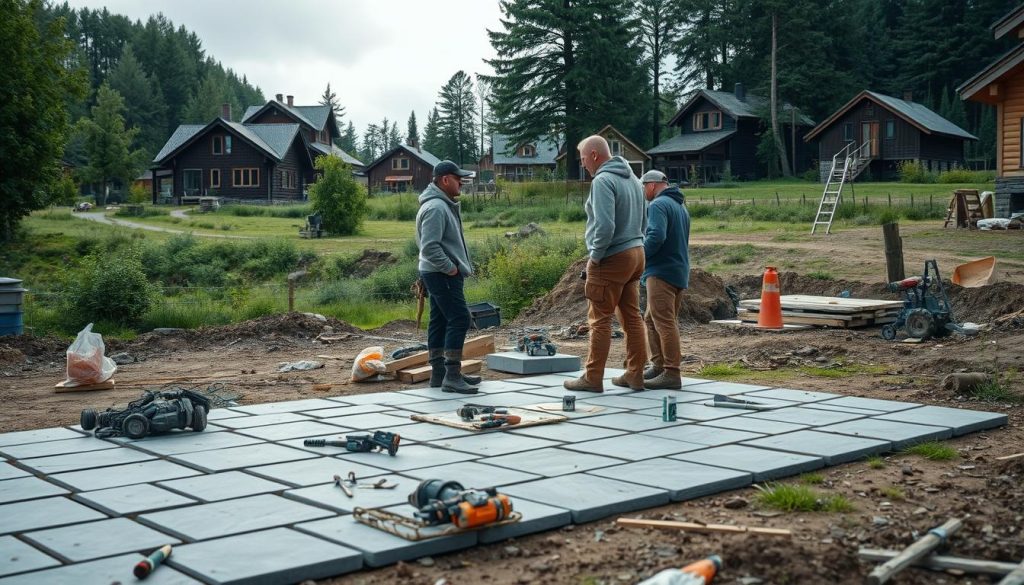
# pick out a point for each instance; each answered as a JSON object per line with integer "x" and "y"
{"x": 403, "y": 168}
{"x": 620, "y": 145}
{"x": 528, "y": 160}
{"x": 889, "y": 131}
{"x": 718, "y": 136}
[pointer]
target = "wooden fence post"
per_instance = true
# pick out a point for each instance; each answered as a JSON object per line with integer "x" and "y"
{"x": 893, "y": 252}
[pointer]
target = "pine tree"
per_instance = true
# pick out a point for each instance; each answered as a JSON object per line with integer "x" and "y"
{"x": 372, "y": 146}
{"x": 457, "y": 119}
{"x": 703, "y": 45}
{"x": 658, "y": 28}
{"x": 144, "y": 104}
{"x": 206, "y": 104}
{"x": 483, "y": 95}
{"x": 412, "y": 134}
{"x": 329, "y": 98}
{"x": 348, "y": 141}
{"x": 108, "y": 143}
{"x": 394, "y": 137}
{"x": 431, "y": 138}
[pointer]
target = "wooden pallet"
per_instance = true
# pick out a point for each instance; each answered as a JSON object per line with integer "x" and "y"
{"x": 819, "y": 304}
{"x": 63, "y": 387}
{"x": 827, "y": 311}
{"x": 421, "y": 373}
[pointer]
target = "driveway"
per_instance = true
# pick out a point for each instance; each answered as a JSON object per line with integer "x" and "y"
{"x": 105, "y": 219}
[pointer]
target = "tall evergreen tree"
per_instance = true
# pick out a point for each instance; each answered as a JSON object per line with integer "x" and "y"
{"x": 348, "y": 141}
{"x": 412, "y": 134}
{"x": 329, "y": 98}
{"x": 483, "y": 95}
{"x": 108, "y": 144}
{"x": 431, "y": 136}
{"x": 206, "y": 103}
{"x": 658, "y": 26}
{"x": 394, "y": 137}
{"x": 144, "y": 104}
{"x": 704, "y": 44}
{"x": 372, "y": 147}
{"x": 457, "y": 118}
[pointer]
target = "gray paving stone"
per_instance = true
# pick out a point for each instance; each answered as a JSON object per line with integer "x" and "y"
{"x": 509, "y": 385}
{"x": 421, "y": 432}
{"x": 27, "y": 488}
{"x": 223, "y": 486}
{"x": 83, "y": 542}
{"x": 347, "y": 410}
{"x": 107, "y": 477}
{"x": 35, "y": 514}
{"x": 239, "y": 457}
{"x": 520, "y": 363}
{"x": 835, "y": 449}
{"x": 412, "y": 457}
{"x": 131, "y": 499}
{"x": 222, "y": 413}
{"x": 494, "y": 443}
{"x": 228, "y": 517}
{"x": 287, "y": 406}
{"x": 627, "y": 421}
{"x": 901, "y": 434}
{"x": 804, "y": 416}
{"x": 847, "y": 409}
{"x": 61, "y": 447}
{"x": 682, "y": 479}
{"x": 191, "y": 442}
{"x": 316, "y": 471}
{"x": 330, "y": 496}
{"x": 763, "y": 463}
{"x": 754, "y": 425}
{"x": 273, "y": 556}
{"x": 680, "y": 395}
{"x": 634, "y": 447}
{"x": 702, "y": 435}
{"x": 506, "y": 399}
{"x": 544, "y": 381}
{"x": 382, "y": 398}
{"x": 433, "y": 406}
{"x": 788, "y": 395}
{"x": 101, "y": 572}
{"x": 37, "y": 436}
{"x": 872, "y": 403}
{"x": 368, "y": 421}
{"x": 609, "y": 373}
{"x": 962, "y": 421}
{"x": 558, "y": 391}
{"x": 568, "y": 432}
{"x": 589, "y": 497}
{"x": 471, "y": 475}
{"x": 536, "y": 518}
{"x": 18, "y": 557}
{"x": 380, "y": 548}
{"x": 248, "y": 422}
{"x": 8, "y": 471}
{"x": 87, "y": 460}
{"x": 626, "y": 401}
{"x": 295, "y": 430}
{"x": 697, "y": 411}
{"x": 551, "y": 462}
{"x": 727, "y": 388}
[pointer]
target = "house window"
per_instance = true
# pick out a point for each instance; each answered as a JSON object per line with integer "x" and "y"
{"x": 245, "y": 177}
{"x": 399, "y": 164}
{"x": 890, "y": 129}
{"x": 227, "y": 145}
{"x": 214, "y": 178}
{"x": 192, "y": 182}
{"x": 848, "y": 132}
{"x": 707, "y": 121}
{"x": 616, "y": 147}
{"x": 218, "y": 145}
{"x": 529, "y": 151}
{"x": 288, "y": 179}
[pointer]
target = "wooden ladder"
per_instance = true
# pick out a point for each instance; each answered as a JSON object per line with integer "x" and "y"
{"x": 846, "y": 165}
{"x": 964, "y": 209}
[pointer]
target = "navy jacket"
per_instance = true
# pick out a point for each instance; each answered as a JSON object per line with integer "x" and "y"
{"x": 666, "y": 240}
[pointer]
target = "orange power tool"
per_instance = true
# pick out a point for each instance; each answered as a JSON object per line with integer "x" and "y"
{"x": 441, "y": 502}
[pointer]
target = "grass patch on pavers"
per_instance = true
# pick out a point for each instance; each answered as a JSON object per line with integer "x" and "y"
{"x": 316, "y": 471}
{"x": 84, "y": 542}
{"x": 702, "y": 435}
{"x": 125, "y": 500}
{"x": 683, "y": 480}
{"x": 37, "y": 436}
{"x": 27, "y": 488}
{"x": 589, "y": 497}
{"x": 280, "y": 555}
{"x": 44, "y": 513}
{"x": 626, "y": 421}
{"x": 87, "y": 460}
{"x": 471, "y": 475}
{"x": 190, "y": 442}
{"x": 104, "y": 571}
{"x": 901, "y": 434}
{"x": 222, "y": 413}
{"x": 380, "y": 548}
{"x": 494, "y": 443}
{"x": 754, "y": 425}
{"x": 804, "y": 416}
{"x": 552, "y": 462}
{"x": 8, "y": 471}
{"x": 18, "y": 557}
{"x": 248, "y": 422}
{"x": 765, "y": 464}
{"x": 295, "y": 430}
{"x": 537, "y": 517}
{"x": 347, "y": 410}
{"x": 368, "y": 420}
{"x": 835, "y": 449}
{"x": 871, "y": 403}
{"x": 961, "y": 421}
{"x": 286, "y": 406}
{"x": 239, "y": 457}
{"x": 411, "y": 457}
{"x": 147, "y": 471}
{"x": 331, "y": 496}
{"x": 788, "y": 395}
{"x": 60, "y": 447}
{"x": 222, "y": 486}
{"x": 227, "y": 517}
{"x": 567, "y": 432}
{"x": 634, "y": 447}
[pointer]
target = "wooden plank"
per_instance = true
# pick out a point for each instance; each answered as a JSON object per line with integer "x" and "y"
{"x": 61, "y": 387}
{"x": 940, "y": 562}
{"x": 827, "y": 304}
{"x": 833, "y": 316}
{"x": 919, "y": 549}
{"x": 475, "y": 347}
{"x": 421, "y": 373}
{"x": 701, "y": 528}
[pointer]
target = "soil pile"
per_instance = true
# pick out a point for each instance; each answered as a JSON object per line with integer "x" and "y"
{"x": 295, "y": 325}
{"x": 791, "y": 283}
{"x": 705, "y": 299}
{"x": 370, "y": 261}
{"x": 49, "y": 348}
{"x": 986, "y": 303}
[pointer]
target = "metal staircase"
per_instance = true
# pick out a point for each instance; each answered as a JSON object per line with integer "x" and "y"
{"x": 847, "y": 164}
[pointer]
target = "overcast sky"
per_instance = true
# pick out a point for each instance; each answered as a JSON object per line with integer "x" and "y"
{"x": 382, "y": 57}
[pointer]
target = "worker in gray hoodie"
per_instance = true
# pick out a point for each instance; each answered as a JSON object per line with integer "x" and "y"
{"x": 444, "y": 265}
{"x": 616, "y": 220}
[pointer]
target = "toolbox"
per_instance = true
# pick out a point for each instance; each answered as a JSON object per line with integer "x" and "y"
{"x": 484, "y": 315}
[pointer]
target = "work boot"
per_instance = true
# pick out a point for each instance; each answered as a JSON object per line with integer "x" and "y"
{"x": 436, "y": 362}
{"x": 453, "y": 379}
{"x": 667, "y": 380}
{"x": 581, "y": 384}
{"x": 652, "y": 371}
{"x": 624, "y": 382}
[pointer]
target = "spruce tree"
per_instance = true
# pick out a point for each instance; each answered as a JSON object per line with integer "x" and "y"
{"x": 329, "y": 98}
{"x": 144, "y": 103}
{"x": 412, "y": 134}
{"x": 658, "y": 28}
{"x": 394, "y": 137}
{"x": 431, "y": 138}
{"x": 348, "y": 141}
{"x": 108, "y": 144}
{"x": 457, "y": 119}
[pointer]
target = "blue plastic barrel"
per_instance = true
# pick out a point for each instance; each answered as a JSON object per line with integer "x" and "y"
{"x": 12, "y": 296}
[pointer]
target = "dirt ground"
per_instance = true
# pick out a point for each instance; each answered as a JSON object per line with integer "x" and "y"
{"x": 894, "y": 503}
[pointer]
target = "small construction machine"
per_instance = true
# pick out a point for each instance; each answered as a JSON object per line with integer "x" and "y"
{"x": 926, "y": 310}
{"x": 535, "y": 342}
{"x": 154, "y": 412}
{"x": 314, "y": 226}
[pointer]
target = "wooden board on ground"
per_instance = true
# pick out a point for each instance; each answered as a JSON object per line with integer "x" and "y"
{"x": 530, "y": 418}
{"x": 476, "y": 347}
{"x": 739, "y": 323}
{"x": 820, "y": 320}
{"x": 64, "y": 387}
{"x": 418, "y": 374}
{"x": 827, "y": 304}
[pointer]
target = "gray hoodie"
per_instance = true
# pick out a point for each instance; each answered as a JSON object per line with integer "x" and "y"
{"x": 439, "y": 234}
{"x": 616, "y": 210}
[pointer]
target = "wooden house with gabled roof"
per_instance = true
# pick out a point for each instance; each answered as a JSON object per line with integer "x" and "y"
{"x": 620, "y": 145}
{"x": 403, "y": 168}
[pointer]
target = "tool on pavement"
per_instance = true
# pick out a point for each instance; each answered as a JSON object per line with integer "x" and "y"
{"x": 668, "y": 409}
{"x": 491, "y": 421}
{"x": 701, "y": 572}
{"x": 338, "y": 482}
{"x": 723, "y": 401}
{"x": 380, "y": 440}
{"x": 935, "y": 538}
{"x": 380, "y": 484}
{"x": 926, "y": 310}
{"x": 154, "y": 412}
{"x": 569, "y": 403}
{"x": 149, "y": 564}
{"x": 535, "y": 342}
{"x": 471, "y": 411}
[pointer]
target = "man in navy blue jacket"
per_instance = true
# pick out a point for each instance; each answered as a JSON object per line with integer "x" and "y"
{"x": 667, "y": 274}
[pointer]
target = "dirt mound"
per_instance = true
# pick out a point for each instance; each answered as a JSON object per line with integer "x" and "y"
{"x": 49, "y": 348}
{"x": 705, "y": 299}
{"x": 370, "y": 261}
{"x": 296, "y": 325}
{"x": 10, "y": 356}
{"x": 399, "y": 327}
{"x": 984, "y": 304}
{"x": 792, "y": 283}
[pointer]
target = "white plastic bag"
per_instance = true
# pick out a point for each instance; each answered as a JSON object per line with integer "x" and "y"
{"x": 86, "y": 362}
{"x": 369, "y": 363}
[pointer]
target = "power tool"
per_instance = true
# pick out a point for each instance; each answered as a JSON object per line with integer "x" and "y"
{"x": 536, "y": 343}
{"x": 491, "y": 421}
{"x": 380, "y": 440}
{"x": 926, "y": 310}
{"x": 469, "y": 412}
{"x": 441, "y": 502}
{"x": 154, "y": 412}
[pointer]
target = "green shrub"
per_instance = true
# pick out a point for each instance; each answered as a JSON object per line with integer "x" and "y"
{"x": 62, "y": 192}
{"x": 110, "y": 288}
{"x": 138, "y": 194}
{"x": 338, "y": 197}
{"x": 912, "y": 171}
{"x": 933, "y": 450}
{"x": 961, "y": 175}
{"x": 392, "y": 283}
{"x": 527, "y": 270}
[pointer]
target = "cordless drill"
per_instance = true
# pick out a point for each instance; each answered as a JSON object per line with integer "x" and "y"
{"x": 442, "y": 502}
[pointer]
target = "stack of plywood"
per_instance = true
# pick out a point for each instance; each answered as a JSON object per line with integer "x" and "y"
{"x": 414, "y": 368}
{"x": 827, "y": 311}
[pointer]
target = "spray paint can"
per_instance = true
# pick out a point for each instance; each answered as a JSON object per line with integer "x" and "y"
{"x": 668, "y": 409}
{"x": 149, "y": 564}
{"x": 568, "y": 403}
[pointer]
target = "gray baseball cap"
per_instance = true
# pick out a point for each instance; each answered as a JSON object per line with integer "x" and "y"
{"x": 447, "y": 167}
{"x": 653, "y": 176}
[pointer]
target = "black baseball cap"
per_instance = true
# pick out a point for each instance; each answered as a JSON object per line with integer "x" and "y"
{"x": 447, "y": 167}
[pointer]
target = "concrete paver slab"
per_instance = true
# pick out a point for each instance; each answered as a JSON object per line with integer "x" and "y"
{"x": 961, "y": 420}
{"x": 87, "y": 460}
{"x": 494, "y": 443}
{"x": 295, "y": 430}
{"x": 382, "y": 398}
{"x": 36, "y": 514}
{"x": 787, "y": 395}
{"x": 257, "y": 558}
{"x": 18, "y": 557}
{"x": 727, "y": 388}
{"x": 507, "y": 399}
{"x": 412, "y": 457}
{"x": 634, "y": 447}
{"x": 380, "y": 548}
{"x": 420, "y": 432}
{"x": 568, "y": 432}
{"x": 191, "y": 442}
{"x": 83, "y": 542}
{"x": 338, "y": 410}
{"x": 369, "y": 420}
{"x": 702, "y": 435}
{"x": 634, "y": 401}
{"x": 37, "y": 436}
{"x": 222, "y": 486}
{"x": 520, "y": 363}
{"x": 753, "y": 425}
{"x": 315, "y": 471}
{"x": 239, "y": 457}
{"x": 222, "y": 413}
{"x": 287, "y": 406}
{"x": 227, "y": 517}
{"x": 901, "y": 434}
{"x": 679, "y": 395}
{"x": 27, "y": 488}
{"x": 107, "y": 477}
{"x": 132, "y": 499}
{"x": 589, "y": 497}
{"x": 835, "y": 449}
{"x": 765, "y": 464}
{"x": 627, "y": 421}
{"x": 471, "y": 475}
{"x": 60, "y": 447}
{"x": 837, "y": 408}
{"x": 698, "y": 412}
{"x": 537, "y": 517}
{"x": 804, "y": 416}
{"x": 552, "y": 462}
{"x": 682, "y": 479}
{"x": 871, "y": 403}
{"x": 248, "y": 422}
{"x": 102, "y": 572}
{"x": 8, "y": 471}
{"x": 331, "y": 496}
{"x": 433, "y": 406}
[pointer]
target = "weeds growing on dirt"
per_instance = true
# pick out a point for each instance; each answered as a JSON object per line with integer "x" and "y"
{"x": 933, "y": 450}
{"x": 875, "y": 462}
{"x": 893, "y": 493}
{"x": 821, "y": 275}
{"x": 996, "y": 391}
{"x": 812, "y": 479}
{"x": 799, "y": 498}
{"x": 723, "y": 370}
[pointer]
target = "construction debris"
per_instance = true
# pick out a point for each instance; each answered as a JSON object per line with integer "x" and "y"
{"x": 826, "y": 311}
{"x": 935, "y": 538}
{"x": 701, "y": 528}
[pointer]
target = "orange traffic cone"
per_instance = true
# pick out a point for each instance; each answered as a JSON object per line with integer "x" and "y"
{"x": 770, "y": 314}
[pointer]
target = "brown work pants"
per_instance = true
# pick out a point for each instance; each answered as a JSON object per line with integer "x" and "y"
{"x": 613, "y": 288}
{"x": 663, "y": 303}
